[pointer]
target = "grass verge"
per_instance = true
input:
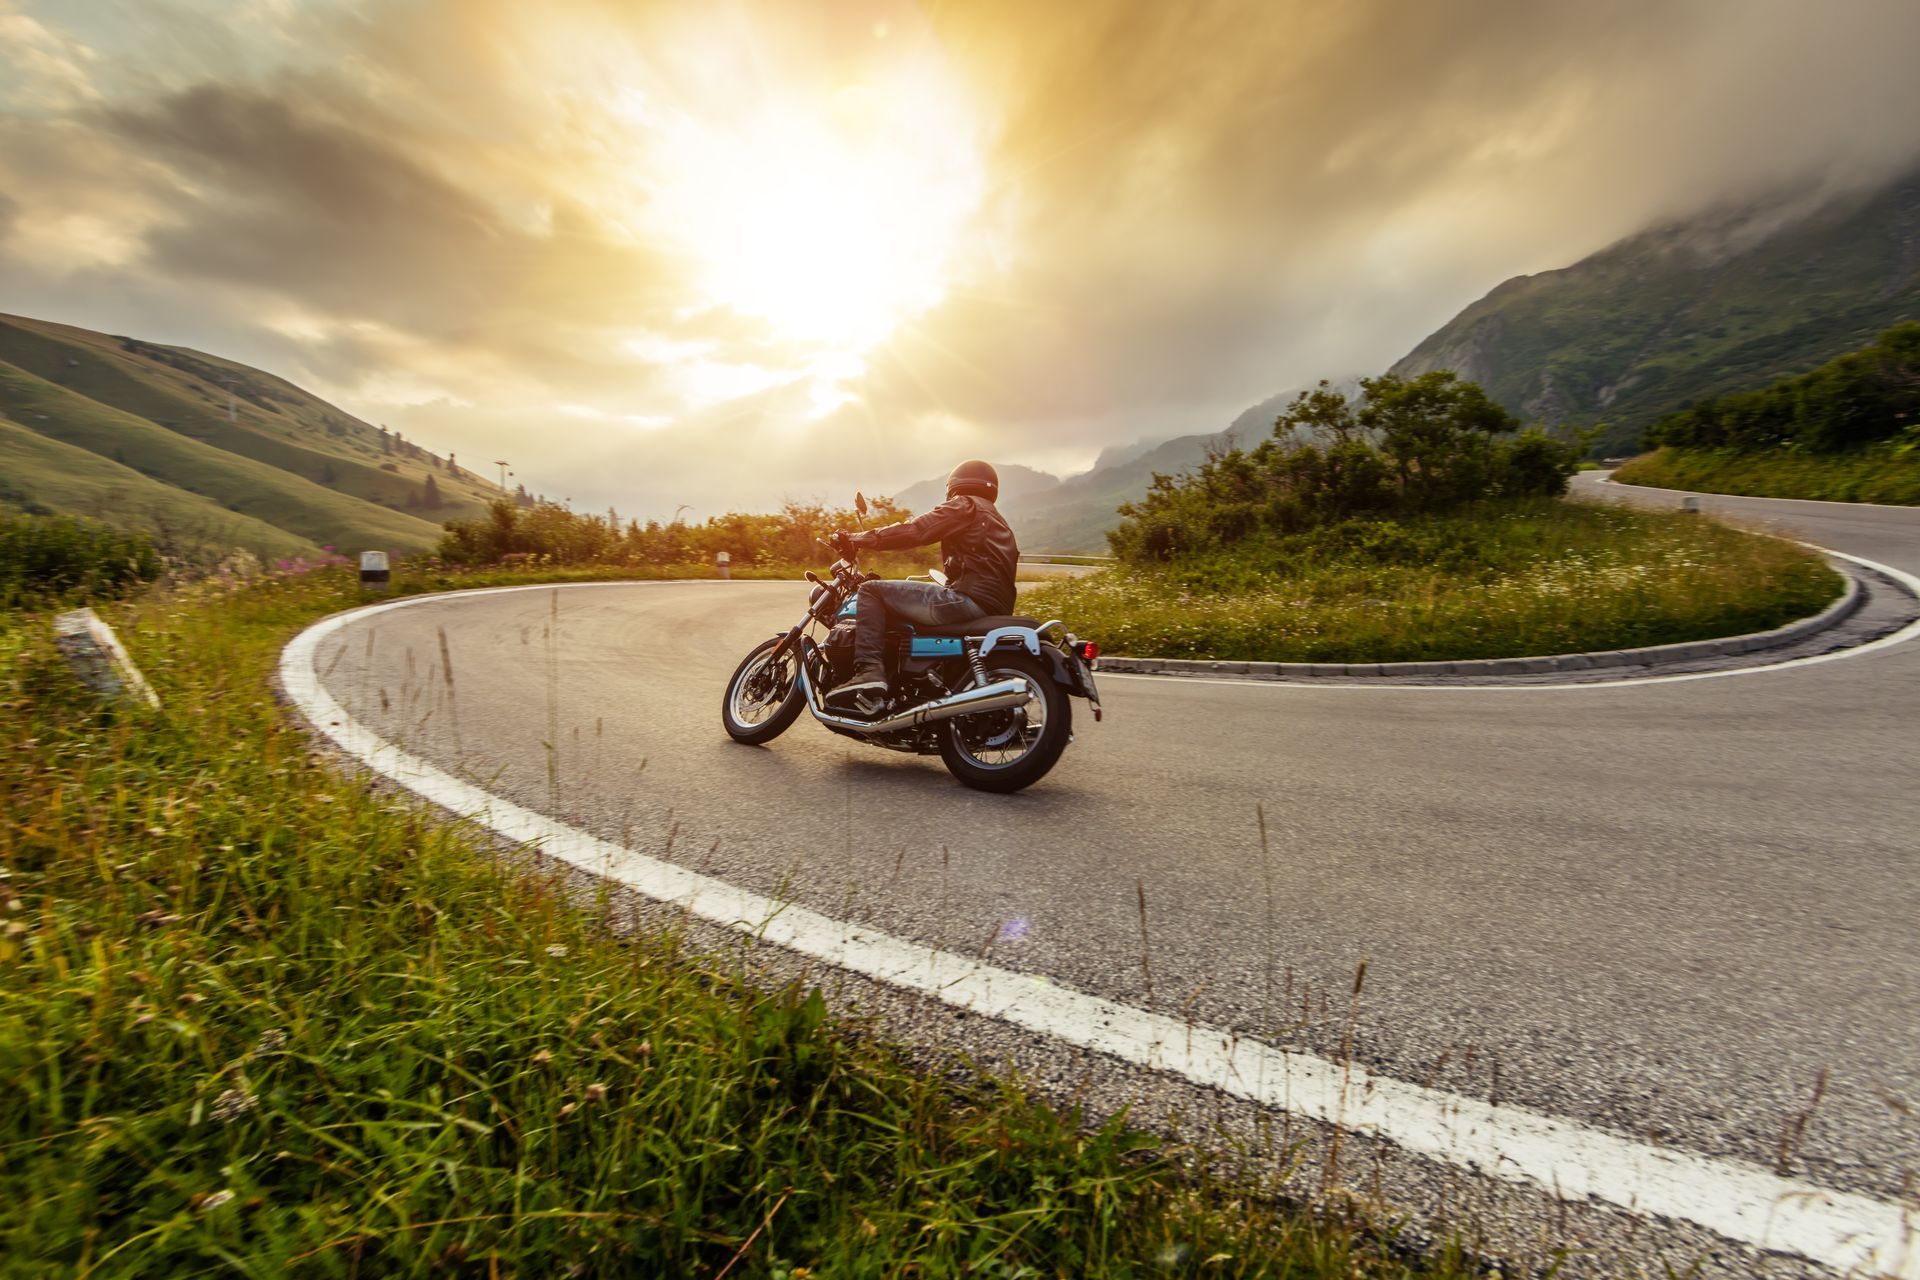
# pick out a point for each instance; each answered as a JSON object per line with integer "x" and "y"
{"x": 259, "y": 1020}
{"x": 1870, "y": 475}
{"x": 1497, "y": 580}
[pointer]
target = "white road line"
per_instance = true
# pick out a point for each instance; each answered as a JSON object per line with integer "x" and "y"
{"x": 1845, "y": 1231}
{"x": 1377, "y": 684}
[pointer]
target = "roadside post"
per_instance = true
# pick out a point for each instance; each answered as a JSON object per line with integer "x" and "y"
{"x": 375, "y": 576}
{"x": 1691, "y": 504}
{"x": 99, "y": 660}
{"x": 724, "y": 563}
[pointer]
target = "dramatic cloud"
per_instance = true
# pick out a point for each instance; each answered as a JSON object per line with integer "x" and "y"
{"x": 729, "y": 253}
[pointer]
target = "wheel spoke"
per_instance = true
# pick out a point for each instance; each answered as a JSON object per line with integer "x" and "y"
{"x": 1001, "y": 739}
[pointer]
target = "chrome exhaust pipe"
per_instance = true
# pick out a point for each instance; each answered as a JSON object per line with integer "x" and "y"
{"x": 1003, "y": 696}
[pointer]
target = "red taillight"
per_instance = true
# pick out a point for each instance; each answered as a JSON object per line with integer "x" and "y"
{"x": 1089, "y": 650}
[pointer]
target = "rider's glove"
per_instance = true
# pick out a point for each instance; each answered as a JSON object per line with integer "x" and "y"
{"x": 842, "y": 541}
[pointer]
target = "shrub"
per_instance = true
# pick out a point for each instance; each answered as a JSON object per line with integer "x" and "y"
{"x": 566, "y": 537}
{"x": 1408, "y": 446}
{"x": 45, "y": 559}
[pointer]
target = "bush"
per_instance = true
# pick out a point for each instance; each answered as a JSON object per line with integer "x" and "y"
{"x": 49, "y": 559}
{"x": 553, "y": 534}
{"x": 1850, "y": 403}
{"x": 1409, "y": 446}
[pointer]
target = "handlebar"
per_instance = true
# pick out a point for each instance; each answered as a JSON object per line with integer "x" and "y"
{"x": 850, "y": 553}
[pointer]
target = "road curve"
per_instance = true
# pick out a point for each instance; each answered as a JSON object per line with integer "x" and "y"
{"x": 1659, "y": 911}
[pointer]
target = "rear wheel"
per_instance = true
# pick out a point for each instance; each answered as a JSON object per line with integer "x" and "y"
{"x": 1008, "y": 750}
{"x": 764, "y": 696}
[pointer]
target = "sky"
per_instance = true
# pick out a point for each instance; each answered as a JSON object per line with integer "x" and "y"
{"x": 727, "y": 254}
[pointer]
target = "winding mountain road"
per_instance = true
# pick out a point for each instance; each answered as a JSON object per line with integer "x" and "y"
{"x": 1662, "y": 912}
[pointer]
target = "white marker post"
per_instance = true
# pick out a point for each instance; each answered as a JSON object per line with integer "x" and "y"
{"x": 1691, "y": 504}
{"x": 100, "y": 660}
{"x": 724, "y": 563}
{"x": 375, "y": 576}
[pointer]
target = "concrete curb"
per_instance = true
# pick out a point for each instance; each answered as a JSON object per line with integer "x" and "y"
{"x": 1650, "y": 656}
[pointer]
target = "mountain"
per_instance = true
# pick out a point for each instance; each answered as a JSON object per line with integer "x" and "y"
{"x": 1727, "y": 301}
{"x": 1051, "y": 514}
{"x": 206, "y": 453}
{"x": 1075, "y": 514}
{"x": 1016, "y": 482}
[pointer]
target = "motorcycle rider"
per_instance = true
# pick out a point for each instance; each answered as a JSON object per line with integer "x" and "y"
{"x": 978, "y": 554}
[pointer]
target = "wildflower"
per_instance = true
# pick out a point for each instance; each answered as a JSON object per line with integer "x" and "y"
{"x": 541, "y": 1059}
{"x": 270, "y": 1041}
{"x": 211, "y": 1202}
{"x": 232, "y": 1105}
{"x": 557, "y": 950}
{"x": 596, "y": 1092}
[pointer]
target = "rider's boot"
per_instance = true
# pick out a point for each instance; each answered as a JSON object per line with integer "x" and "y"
{"x": 864, "y": 693}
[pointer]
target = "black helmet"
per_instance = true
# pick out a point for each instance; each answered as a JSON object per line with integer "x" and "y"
{"x": 975, "y": 477}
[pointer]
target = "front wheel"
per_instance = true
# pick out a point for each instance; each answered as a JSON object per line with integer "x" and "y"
{"x": 763, "y": 697}
{"x": 1008, "y": 750}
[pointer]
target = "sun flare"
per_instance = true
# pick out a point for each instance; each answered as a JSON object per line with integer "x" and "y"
{"x": 833, "y": 217}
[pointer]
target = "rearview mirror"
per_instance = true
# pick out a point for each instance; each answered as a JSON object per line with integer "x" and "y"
{"x": 860, "y": 504}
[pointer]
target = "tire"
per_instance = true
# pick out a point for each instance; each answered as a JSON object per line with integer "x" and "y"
{"x": 737, "y": 704}
{"x": 965, "y": 761}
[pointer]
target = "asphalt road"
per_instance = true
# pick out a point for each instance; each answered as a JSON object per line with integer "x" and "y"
{"x": 1661, "y": 910}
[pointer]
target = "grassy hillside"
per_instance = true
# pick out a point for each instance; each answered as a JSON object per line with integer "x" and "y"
{"x": 43, "y": 476}
{"x": 1699, "y": 308}
{"x": 1874, "y": 475}
{"x": 310, "y": 511}
{"x": 374, "y": 483}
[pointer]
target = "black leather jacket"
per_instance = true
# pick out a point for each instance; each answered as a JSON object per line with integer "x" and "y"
{"x": 977, "y": 549}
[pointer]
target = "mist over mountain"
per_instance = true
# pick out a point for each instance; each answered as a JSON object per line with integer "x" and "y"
{"x": 1727, "y": 301}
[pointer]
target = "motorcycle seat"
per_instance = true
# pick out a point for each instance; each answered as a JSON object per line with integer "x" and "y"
{"x": 975, "y": 626}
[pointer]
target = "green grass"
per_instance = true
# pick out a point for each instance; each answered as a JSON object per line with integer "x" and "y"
{"x": 273, "y": 422}
{"x": 52, "y": 477}
{"x": 1871, "y": 475}
{"x": 53, "y": 560}
{"x": 257, "y": 1019}
{"x": 307, "y": 510}
{"x": 1502, "y": 580}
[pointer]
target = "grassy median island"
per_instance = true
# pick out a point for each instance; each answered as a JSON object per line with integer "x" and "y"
{"x": 1417, "y": 523}
{"x": 1537, "y": 576}
{"x": 257, "y": 1019}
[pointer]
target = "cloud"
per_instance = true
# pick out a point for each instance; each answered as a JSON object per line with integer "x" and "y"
{"x": 453, "y": 215}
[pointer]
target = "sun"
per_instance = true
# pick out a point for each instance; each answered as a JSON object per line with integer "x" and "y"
{"x": 835, "y": 218}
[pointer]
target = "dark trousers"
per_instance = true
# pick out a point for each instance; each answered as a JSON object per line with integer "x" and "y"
{"x": 920, "y": 603}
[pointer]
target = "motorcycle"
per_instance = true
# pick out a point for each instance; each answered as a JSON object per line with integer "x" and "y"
{"x": 990, "y": 697}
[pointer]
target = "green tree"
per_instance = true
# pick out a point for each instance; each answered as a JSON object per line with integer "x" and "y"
{"x": 1438, "y": 430}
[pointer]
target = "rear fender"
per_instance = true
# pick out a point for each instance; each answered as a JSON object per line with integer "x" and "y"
{"x": 1025, "y": 637}
{"x": 1067, "y": 671}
